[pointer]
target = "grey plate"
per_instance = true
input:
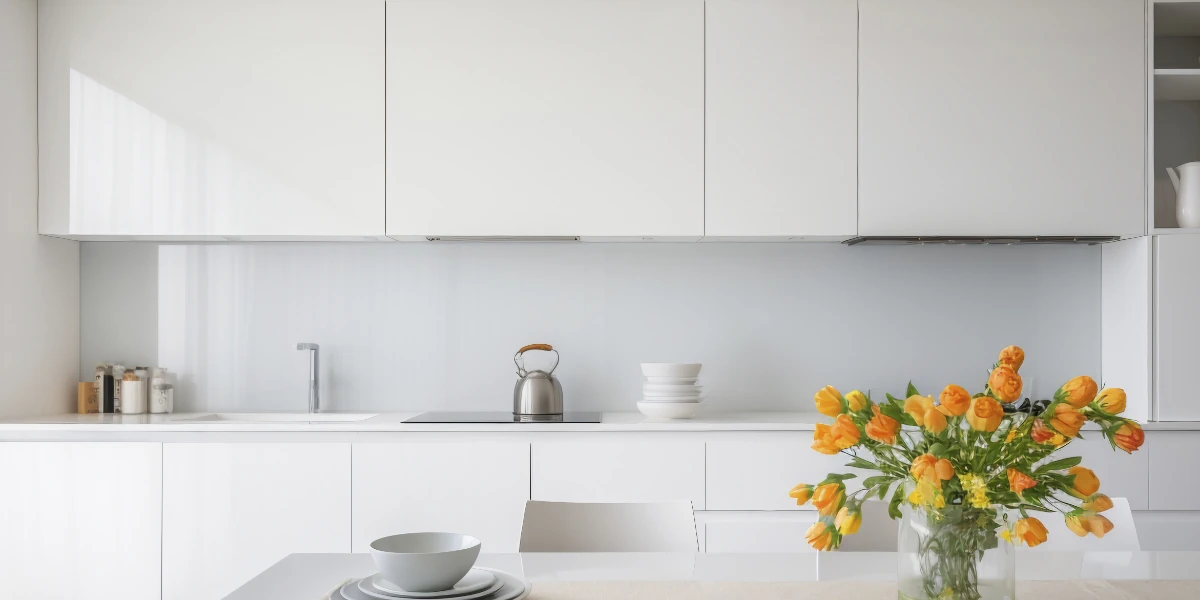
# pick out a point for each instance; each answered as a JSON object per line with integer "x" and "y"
{"x": 491, "y": 584}
{"x": 512, "y": 588}
{"x": 475, "y": 580}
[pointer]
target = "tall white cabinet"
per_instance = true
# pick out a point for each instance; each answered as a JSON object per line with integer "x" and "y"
{"x": 1015, "y": 117}
{"x": 545, "y": 118}
{"x": 230, "y": 510}
{"x": 1176, "y": 326}
{"x": 80, "y": 520}
{"x": 227, "y": 118}
{"x": 780, "y": 118}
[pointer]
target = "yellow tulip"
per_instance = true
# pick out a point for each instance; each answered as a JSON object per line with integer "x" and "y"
{"x": 985, "y": 414}
{"x": 917, "y": 406}
{"x": 926, "y": 494}
{"x": 1012, "y": 356}
{"x": 1086, "y": 483}
{"x": 829, "y": 401}
{"x": 1079, "y": 391}
{"x": 1111, "y": 401}
{"x": 847, "y": 522}
{"x": 1005, "y": 383}
{"x": 1081, "y": 525}
{"x": 802, "y": 493}
{"x": 954, "y": 401}
{"x": 828, "y": 498}
{"x": 818, "y": 536}
{"x": 935, "y": 421}
{"x": 857, "y": 400}
{"x": 1031, "y": 531}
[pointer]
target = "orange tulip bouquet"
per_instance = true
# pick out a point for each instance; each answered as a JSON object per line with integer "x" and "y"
{"x": 963, "y": 466}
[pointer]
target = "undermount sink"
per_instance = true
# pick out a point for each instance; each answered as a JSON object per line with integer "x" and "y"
{"x": 275, "y": 418}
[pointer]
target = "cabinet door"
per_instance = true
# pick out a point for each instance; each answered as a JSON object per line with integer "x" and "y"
{"x": 230, "y": 510}
{"x": 543, "y": 117}
{"x": 1176, "y": 326}
{"x": 1173, "y": 485}
{"x": 729, "y": 532}
{"x": 1121, "y": 475}
{"x": 80, "y": 520}
{"x": 219, "y": 118}
{"x": 479, "y": 489}
{"x": 1014, "y": 117}
{"x": 757, "y": 475}
{"x": 781, "y": 118}
{"x": 618, "y": 471}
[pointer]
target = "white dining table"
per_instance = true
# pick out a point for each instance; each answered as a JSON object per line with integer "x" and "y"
{"x": 824, "y": 576}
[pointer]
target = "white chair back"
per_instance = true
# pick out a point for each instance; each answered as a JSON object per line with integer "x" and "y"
{"x": 1122, "y": 538}
{"x": 608, "y": 527}
{"x": 878, "y": 531}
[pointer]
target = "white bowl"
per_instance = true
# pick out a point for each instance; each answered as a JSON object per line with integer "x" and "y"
{"x": 669, "y": 410}
{"x": 672, "y": 380}
{"x": 672, "y": 400}
{"x": 669, "y": 397}
{"x": 671, "y": 387}
{"x": 671, "y": 369}
{"x": 425, "y": 562}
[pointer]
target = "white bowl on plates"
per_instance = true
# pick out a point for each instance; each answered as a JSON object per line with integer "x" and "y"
{"x": 671, "y": 398}
{"x": 672, "y": 380}
{"x": 675, "y": 400}
{"x": 669, "y": 410}
{"x": 671, "y": 388}
{"x": 425, "y": 562}
{"x": 671, "y": 369}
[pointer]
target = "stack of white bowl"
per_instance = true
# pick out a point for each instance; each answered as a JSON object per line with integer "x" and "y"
{"x": 670, "y": 390}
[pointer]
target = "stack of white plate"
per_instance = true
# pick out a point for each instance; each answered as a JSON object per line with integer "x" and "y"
{"x": 670, "y": 390}
{"x": 479, "y": 584}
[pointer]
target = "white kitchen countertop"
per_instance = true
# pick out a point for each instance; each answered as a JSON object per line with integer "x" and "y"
{"x": 394, "y": 422}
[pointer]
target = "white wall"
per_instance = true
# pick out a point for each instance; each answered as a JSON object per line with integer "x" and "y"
{"x": 423, "y": 326}
{"x": 39, "y": 277}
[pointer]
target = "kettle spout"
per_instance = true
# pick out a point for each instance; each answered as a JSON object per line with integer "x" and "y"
{"x": 1174, "y": 178}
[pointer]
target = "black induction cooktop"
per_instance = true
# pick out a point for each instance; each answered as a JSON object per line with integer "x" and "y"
{"x": 503, "y": 417}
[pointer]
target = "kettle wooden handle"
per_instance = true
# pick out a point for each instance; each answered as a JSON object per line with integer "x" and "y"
{"x": 546, "y": 347}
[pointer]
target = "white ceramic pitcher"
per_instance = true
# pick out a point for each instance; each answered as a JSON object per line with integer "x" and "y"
{"x": 1186, "y": 180}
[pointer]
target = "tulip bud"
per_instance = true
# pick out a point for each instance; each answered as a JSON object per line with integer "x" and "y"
{"x": 1012, "y": 356}
{"x": 847, "y": 522}
{"x": 1031, "y": 531}
{"x": 1111, "y": 401}
{"x": 1078, "y": 392}
{"x": 1086, "y": 483}
{"x": 856, "y": 400}
{"x": 829, "y": 401}
{"x": 1129, "y": 437}
{"x": 802, "y": 493}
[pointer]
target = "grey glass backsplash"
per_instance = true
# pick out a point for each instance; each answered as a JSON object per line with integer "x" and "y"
{"x": 418, "y": 326}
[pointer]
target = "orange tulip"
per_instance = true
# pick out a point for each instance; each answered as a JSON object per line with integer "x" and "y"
{"x": 1086, "y": 523}
{"x": 917, "y": 406}
{"x": 1019, "y": 482}
{"x": 1067, "y": 419}
{"x": 985, "y": 414}
{"x": 1012, "y": 356}
{"x": 819, "y": 536}
{"x": 1086, "y": 483}
{"x": 921, "y": 465}
{"x": 846, "y": 522}
{"x": 828, "y": 498}
{"x": 930, "y": 468}
{"x": 841, "y": 435}
{"x": 944, "y": 469}
{"x": 1044, "y": 435}
{"x": 802, "y": 492}
{"x": 882, "y": 428}
{"x": 1097, "y": 503}
{"x": 1111, "y": 401}
{"x": 1031, "y": 531}
{"x": 1129, "y": 437}
{"x": 935, "y": 421}
{"x": 954, "y": 401}
{"x": 856, "y": 400}
{"x": 1005, "y": 383}
{"x": 1079, "y": 391}
{"x": 829, "y": 401}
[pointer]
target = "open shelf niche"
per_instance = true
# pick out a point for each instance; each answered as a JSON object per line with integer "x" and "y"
{"x": 1176, "y": 91}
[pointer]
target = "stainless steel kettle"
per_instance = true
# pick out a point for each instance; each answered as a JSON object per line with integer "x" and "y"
{"x": 538, "y": 394}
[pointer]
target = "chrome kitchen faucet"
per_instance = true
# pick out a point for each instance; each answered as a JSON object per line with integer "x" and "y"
{"x": 314, "y": 375}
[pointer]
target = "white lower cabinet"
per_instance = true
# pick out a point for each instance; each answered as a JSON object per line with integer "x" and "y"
{"x": 755, "y": 532}
{"x": 1121, "y": 475}
{"x": 1173, "y": 483}
{"x": 230, "y": 510}
{"x": 757, "y": 475}
{"x": 618, "y": 470}
{"x": 80, "y": 520}
{"x": 478, "y": 488}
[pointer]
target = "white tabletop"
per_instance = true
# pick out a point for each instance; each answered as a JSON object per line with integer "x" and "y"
{"x": 308, "y": 576}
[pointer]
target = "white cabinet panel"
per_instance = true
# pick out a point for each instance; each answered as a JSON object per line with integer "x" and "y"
{"x": 474, "y": 488}
{"x": 84, "y": 516}
{"x": 781, "y": 117}
{"x": 216, "y": 118}
{"x": 618, "y": 471}
{"x": 757, "y": 475}
{"x": 1015, "y": 117}
{"x": 1172, "y": 472}
{"x": 1176, "y": 326}
{"x": 230, "y": 510}
{"x": 542, "y": 117}
{"x": 1125, "y": 321}
{"x": 755, "y": 532}
{"x": 1121, "y": 475}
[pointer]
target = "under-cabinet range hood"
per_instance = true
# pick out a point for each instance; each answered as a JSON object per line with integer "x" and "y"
{"x": 885, "y": 240}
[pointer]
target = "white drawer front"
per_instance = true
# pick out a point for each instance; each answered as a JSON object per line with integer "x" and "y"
{"x": 755, "y": 532}
{"x": 1173, "y": 483}
{"x": 618, "y": 471}
{"x": 756, "y": 475}
{"x": 1121, "y": 475}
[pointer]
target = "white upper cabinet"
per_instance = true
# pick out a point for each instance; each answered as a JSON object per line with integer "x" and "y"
{"x": 545, "y": 117}
{"x": 174, "y": 118}
{"x": 780, "y": 118}
{"x": 1013, "y": 117}
{"x": 1176, "y": 326}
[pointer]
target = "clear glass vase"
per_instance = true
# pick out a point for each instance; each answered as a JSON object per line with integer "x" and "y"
{"x": 955, "y": 553}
